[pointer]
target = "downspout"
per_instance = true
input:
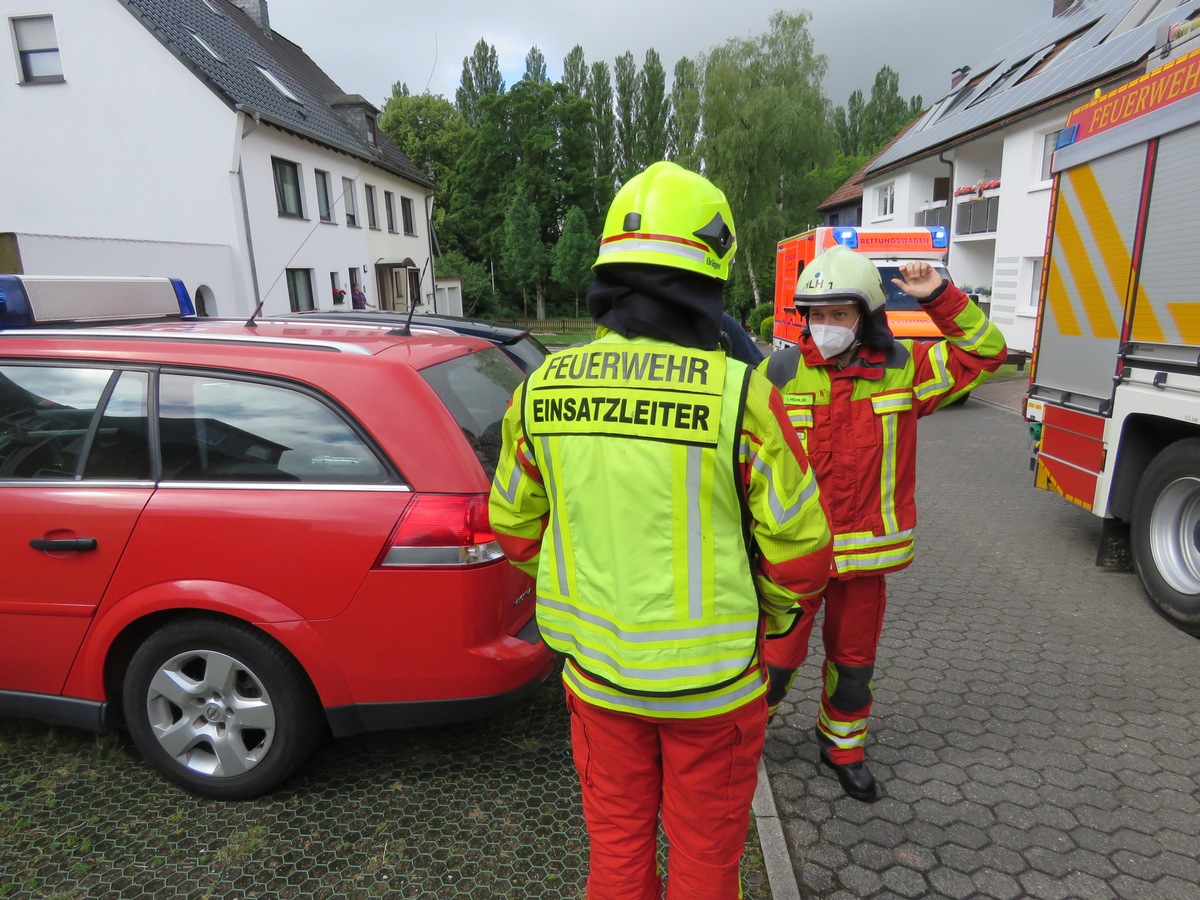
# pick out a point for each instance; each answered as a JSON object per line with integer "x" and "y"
{"x": 950, "y": 204}
{"x": 429, "y": 241}
{"x": 253, "y": 114}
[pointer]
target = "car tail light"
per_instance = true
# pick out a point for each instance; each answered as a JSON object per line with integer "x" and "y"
{"x": 443, "y": 530}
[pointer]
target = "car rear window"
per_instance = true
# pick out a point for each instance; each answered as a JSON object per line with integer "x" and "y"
{"x": 476, "y": 389}
{"x": 896, "y": 298}
{"x": 528, "y": 352}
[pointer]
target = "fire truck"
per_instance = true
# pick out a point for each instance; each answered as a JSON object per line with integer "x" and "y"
{"x": 1114, "y": 396}
{"x": 887, "y": 248}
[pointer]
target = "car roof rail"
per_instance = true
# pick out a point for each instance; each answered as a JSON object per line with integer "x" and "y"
{"x": 30, "y": 301}
{"x": 300, "y": 343}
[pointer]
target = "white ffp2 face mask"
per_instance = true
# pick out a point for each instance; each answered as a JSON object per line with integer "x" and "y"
{"x": 831, "y": 339}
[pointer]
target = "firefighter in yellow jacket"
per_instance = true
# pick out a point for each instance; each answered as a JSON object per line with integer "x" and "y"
{"x": 854, "y": 395}
{"x": 654, "y": 488}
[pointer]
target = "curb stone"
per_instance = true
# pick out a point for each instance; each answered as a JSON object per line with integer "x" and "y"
{"x": 781, "y": 877}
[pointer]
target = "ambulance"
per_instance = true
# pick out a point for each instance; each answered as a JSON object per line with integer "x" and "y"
{"x": 1114, "y": 396}
{"x": 887, "y": 248}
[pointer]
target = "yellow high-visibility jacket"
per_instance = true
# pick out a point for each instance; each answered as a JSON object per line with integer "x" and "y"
{"x": 666, "y": 508}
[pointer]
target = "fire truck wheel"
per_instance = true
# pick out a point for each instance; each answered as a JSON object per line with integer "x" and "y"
{"x": 1166, "y": 533}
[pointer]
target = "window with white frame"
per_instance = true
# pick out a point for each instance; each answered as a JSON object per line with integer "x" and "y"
{"x": 37, "y": 49}
{"x": 406, "y": 210}
{"x": 887, "y": 199}
{"x": 351, "y": 202}
{"x": 1048, "y": 142}
{"x": 389, "y": 205}
{"x": 372, "y": 213}
{"x": 324, "y": 195}
{"x": 1034, "y": 288}
{"x": 287, "y": 187}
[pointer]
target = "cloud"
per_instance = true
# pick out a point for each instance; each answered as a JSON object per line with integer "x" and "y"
{"x": 366, "y": 45}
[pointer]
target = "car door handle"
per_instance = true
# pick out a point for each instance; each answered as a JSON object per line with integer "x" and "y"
{"x": 64, "y": 544}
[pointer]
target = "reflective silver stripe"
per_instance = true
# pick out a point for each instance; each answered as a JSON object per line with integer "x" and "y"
{"x": 525, "y": 455}
{"x": 783, "y": 516}
{"x": 840, "y": 732}
{"x": 560, "y": 560}
{"x": 509, "y": 493}
{"x": 653, "y": 705}
{"x": 940, "y": 380}
{"x": 846, "y": 542}
{"x": 695, "y": 535}
{"x": 637, "y": 245}
{"x": 865, "y": 562}
{"x": 581, "y": 651}
{"x": 682, "y": 633}
{"x": 888, "y": 404}
{"x": 887, "y": 475}
{"x": 970, "y": 340}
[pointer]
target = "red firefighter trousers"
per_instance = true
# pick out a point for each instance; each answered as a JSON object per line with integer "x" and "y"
{"x": 853, "y": 622}
{"x": 701, "y": 772}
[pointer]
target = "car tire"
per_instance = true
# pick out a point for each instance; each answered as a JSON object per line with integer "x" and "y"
{"x": 1165, "y": 533}
{"x": 220, "y": 708}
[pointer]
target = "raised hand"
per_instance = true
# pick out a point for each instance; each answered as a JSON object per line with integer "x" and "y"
{"x": 919, "y": 279}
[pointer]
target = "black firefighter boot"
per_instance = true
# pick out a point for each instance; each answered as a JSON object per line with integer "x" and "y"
{"x": 856, "y": 779}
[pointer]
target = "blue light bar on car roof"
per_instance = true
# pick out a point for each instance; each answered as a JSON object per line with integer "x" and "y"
{"x": 31, "y": 300}
{"x": 941, "y": 238}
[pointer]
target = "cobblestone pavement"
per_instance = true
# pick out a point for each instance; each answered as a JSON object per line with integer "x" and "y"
{"x": 1036, "y": 726}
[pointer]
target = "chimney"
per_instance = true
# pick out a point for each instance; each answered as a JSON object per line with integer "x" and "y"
{"x": 1063, "y": 6}
{"x": 957, "y": 76}
{"x": 257, "y": 11}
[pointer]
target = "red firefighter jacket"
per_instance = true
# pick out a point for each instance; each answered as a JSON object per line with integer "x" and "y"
{"x": 858, "y": 424}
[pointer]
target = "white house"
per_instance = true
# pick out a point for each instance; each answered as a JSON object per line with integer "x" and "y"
{"x": 188, "y": 139}
{"x": 979, "y": 159}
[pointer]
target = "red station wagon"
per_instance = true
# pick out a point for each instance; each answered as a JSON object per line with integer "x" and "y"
{"x": 237, "y": 537}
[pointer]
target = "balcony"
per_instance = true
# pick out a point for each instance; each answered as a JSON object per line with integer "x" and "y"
{"x": 977, "y": 216}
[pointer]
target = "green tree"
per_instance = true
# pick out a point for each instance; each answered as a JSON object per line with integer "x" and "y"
{"x": 764, "y": 114}
{"x": 535, "y": 66}
{"x": 574, "y": 254}
{"x": 848, "y": 125}
{"x": 480, "y": 78}
{"x": 626, "y": 93}
{"x": 479, "y": 297}
{"x": 683, "y": 128}
{"x": 524, "y": 256}
{"x": 886, "y": 112}
{"x": 652, "y": 112}
{"x": 431, "y": 133}
{"x": 603, "y": 133}
{"x": 575, "y": 72}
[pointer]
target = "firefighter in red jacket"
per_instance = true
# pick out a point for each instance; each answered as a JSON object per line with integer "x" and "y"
{"x": 854, "y": 394}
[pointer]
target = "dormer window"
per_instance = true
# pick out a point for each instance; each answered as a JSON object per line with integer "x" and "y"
{"x": 372, "y": 136}
{"x": 276, "y": 83}
{"x": 211, "y": 52}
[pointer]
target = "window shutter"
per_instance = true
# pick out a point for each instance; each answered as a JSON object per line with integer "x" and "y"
{"x": 35, "y": 33}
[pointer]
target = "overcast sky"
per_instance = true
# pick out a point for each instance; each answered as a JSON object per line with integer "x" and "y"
{"x": 366, "y": 45}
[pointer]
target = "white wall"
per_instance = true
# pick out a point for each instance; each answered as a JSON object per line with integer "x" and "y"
{"x": 104, "y": 153}
{"x": 103, "y": 177}
{"x": 1021, "y": 230}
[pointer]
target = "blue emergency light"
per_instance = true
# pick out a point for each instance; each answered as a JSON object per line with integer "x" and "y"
{"x": 847, "y": 237}
{"x": 941, "y": 237}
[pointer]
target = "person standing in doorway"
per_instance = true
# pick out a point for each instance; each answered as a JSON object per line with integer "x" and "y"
{"x": 654, "y": 488}
{"x": 358, "y": 298}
